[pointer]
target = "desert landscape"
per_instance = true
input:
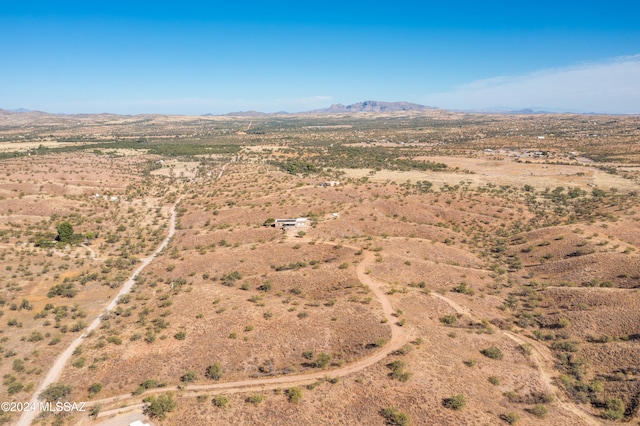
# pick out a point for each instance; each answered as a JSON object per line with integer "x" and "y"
{"x": 453, "y": 268}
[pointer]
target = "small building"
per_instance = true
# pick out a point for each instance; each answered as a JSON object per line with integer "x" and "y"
{"x": 138, "y": 423}
{"x": 330, "y": 183}
{"x": 291, "y": 223}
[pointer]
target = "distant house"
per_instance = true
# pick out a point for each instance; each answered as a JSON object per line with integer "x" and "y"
{"x": 138, "y": 423}
{"x": 291, "y": 223}
{"x": 330, "y": 183}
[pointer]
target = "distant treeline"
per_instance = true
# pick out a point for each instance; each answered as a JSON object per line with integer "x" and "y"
{"x": 168, "y": 149}
{"x": 348, "y": 157}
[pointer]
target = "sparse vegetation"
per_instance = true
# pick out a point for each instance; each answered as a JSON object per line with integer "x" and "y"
{"x": 158, "y": 408}
{"x": 492, "y": 352}
{"x": 482, "y": 256}
{"x": 395, "y": 417}
{"x": 455, "y": 402}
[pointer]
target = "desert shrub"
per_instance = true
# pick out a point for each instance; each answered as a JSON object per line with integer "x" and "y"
{"x": 180, "y": 335}
{"x": 124, "y": 299}
{"x": 449, "y": 319}
{"x": 220, "y": 401}
{"x": 189, "y": 376}
{"x": 463, "y": 288}
{"x": 230, "y": 278}
{"x": 526, "y": 348}
{"x": 291, "y": 266}
{"x": 14, "y": 388}
{"x": 18, "y": 365}
{"x": 540, "y": 411}
{"x": 55, "y": 392}
{"x": 397, "y": 371}
{"x": 265, "y": 286}
{"x": 404, "y": 350}
{"x": 322, "y": 360}
{"x": 35, "y": 336}
{"x": 95, "y": 411}
{"x": 494, "y": 380}
{"x": 614, "y": 409}
{"x": 255, "y": 399}
{"x": 214, "y": 371}
{"x": 147, "y": 384}
{"x": 492, "y": 352}
{"x": 455, "y": 402}
{"x": 115, "y": 340}
{"x": 64, "y": 290}
{"x": 78, "y": 326}
{"x": 95, "y": 388}
{"x": 157, "y": 408}
{"x": 511, "y": 418}
{"x": 395, "y": 417}
{"x": 294, "y": 394}
{"x": 565, "y": 346}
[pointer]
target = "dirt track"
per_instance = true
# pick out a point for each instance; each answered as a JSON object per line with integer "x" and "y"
{"x": 56, "y": 369}
{"x": 398, "y": 339}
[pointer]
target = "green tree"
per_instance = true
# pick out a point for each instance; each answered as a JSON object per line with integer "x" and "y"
{"x": 65, "y": 232}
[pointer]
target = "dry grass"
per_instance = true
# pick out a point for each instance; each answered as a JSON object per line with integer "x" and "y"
{"x": 509, "y": 263}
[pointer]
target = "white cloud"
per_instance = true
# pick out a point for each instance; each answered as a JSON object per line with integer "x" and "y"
{"x": 611, "y": 86}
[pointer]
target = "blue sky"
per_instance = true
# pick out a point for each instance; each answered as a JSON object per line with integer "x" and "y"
{"x": 190, "y": 58}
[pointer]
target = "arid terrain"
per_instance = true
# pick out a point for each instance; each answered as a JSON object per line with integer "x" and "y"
{"x": 454, "y": 268}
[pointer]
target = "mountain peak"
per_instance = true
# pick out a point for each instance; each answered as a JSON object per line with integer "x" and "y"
{"x": 373, "y": 106}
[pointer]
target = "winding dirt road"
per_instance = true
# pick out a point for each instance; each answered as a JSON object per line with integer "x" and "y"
{"x": 128, "y": 402}
{"x": 398, "y": 339}
{"x": 56, "y": 369}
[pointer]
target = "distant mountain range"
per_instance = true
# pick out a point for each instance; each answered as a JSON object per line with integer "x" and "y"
{"x": 366, "y": 106}
{"x": 372, "y": 106}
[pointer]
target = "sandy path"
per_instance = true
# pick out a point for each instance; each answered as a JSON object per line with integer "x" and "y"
{"x": 28, "y": 416}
